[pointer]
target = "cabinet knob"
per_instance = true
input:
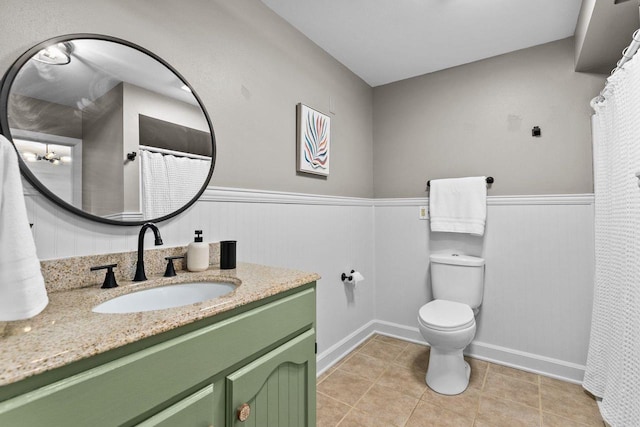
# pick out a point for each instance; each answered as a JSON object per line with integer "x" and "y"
{"x": 243, "y": 412}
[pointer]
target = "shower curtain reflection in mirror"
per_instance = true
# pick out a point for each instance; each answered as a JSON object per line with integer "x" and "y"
{"x": 170, "y": 179}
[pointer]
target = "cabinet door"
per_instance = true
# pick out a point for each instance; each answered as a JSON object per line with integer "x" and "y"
{"x": 195, "y": 410}
{"x": 276, "y": 390}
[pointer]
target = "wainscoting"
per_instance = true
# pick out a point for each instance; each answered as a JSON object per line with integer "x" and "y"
{"x": 539, "y": 251}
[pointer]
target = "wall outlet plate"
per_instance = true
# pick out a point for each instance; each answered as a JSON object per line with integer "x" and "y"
{"x": 423, "y": 212}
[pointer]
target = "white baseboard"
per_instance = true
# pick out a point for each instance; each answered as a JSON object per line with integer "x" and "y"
{"x": 547, "y": 366}
{"x": 395, "y": 330}
{"x": 333, "y": 354}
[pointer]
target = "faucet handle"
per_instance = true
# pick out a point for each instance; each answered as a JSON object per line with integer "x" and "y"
{"x": 110, "y": 277}
{"x": 171, "y": 271}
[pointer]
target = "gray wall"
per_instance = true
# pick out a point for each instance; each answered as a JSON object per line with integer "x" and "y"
{"x": 248, "y": 66}
{"x": 476, "y": 119}
{"x": 103, "y": 178}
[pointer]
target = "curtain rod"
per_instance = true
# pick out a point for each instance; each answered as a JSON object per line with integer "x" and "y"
{"x": 173, "y": 152}
{"x": 627, "y": 54}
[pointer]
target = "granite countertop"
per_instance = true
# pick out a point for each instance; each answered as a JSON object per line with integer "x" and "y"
{"x": 67, "y": 330}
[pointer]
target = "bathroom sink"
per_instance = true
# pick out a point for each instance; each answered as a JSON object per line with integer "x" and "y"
{"x": 165, "y": 297}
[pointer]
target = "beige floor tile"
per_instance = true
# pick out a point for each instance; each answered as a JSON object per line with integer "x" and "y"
{"x": 388, "y": 405}
{"x": 427, "y": 414}
{"x": 343, "y": 360}
{"x": 414, "y": 356}
{"x": 465, "y": 403}
{"x": 356, "y": 418}
{"x": 329, "y": 411}
{"x": 344, "y": 387}
{"x": 551, "y": 420}
{"x": 365, "y": 366}
{"x": 390, "y": 340}
{"x": 562, "y": 385}
{"x": 363, "y": 343}
{"x": 478, "y": 372}
{"x": 569, "y": 401}
{"x": 407, "y": 381}
{"x": 380, "y": 350}
{"x": 505, "y": 387}
{"x": 514, "y": 373}
{"x": 325, "y": 374}
{"x": 493, "y": 412}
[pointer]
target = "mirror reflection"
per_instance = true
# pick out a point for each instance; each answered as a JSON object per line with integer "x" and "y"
{"x": 110, "y": 130}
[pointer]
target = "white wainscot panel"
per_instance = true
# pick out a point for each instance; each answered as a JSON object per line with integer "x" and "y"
{"x": 402, "y": 264}
{"x": 539, "y": 280}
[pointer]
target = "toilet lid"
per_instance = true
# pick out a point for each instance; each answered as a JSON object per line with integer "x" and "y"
{"x": 446, "y": 315}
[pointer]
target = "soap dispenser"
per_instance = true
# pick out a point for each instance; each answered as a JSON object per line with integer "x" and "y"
{"x": 198, "y": 254}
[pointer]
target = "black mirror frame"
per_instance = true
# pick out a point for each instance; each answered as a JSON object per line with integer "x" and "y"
{"x": 5, "y": 88}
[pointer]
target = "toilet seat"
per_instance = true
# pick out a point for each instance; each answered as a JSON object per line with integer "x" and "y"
{"x": 443, "y": 315}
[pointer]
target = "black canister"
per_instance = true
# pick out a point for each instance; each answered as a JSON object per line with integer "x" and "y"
{"x": 227, "y": 254}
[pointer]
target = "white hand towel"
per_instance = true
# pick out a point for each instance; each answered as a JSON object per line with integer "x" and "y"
{"x": 22, "y": 290}
{"x": 458, "y": 205}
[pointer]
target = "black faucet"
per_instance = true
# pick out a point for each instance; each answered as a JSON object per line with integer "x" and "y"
{"x": 140, "y": 276}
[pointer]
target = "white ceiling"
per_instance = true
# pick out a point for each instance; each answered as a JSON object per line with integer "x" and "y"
{"x": 383, "y": 41}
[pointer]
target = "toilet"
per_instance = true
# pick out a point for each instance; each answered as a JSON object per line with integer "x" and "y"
{"x": 448, "y": 322}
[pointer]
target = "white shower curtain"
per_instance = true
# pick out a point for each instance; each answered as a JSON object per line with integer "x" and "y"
{"x": 613, "y": 363}
{"x": 169, "y": 182}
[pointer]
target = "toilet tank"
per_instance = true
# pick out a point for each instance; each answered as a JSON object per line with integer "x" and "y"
{"x": 457, "y": 277}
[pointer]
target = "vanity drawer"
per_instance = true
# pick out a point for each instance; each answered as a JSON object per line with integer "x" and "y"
{"x": 195, "y": 410}
{"x": 127, "y": 388}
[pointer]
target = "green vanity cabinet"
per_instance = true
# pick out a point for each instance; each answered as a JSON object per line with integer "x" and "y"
{"x": 197, "y": 375}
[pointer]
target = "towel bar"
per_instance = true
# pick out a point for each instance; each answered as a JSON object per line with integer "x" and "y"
{"x": 489, "y": 181}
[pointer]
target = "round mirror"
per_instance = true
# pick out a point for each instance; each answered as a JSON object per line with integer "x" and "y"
{"x": 106, "y": 129}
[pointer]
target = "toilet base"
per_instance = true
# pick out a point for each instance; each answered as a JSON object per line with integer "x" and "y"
{"x": 448, "y": 373}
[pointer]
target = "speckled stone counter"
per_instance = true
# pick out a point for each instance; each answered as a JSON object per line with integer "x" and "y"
{"x": 67, "y": 330}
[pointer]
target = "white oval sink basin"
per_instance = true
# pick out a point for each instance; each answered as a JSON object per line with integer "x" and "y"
{"x": 164, "y": 297}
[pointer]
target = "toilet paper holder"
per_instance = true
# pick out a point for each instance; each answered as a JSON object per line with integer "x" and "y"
{"x": 345, "y": 277}
{"x": 352, "y": 278}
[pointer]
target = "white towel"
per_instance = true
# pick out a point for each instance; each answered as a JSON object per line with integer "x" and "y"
{"x": 22, "y": 290}
{"x": 458, "y": 205}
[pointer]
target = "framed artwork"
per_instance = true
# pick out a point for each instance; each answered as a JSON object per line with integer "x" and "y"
{"x": 313, "y": 141}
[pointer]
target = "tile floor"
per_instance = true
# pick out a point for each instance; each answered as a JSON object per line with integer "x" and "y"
{"x": 381, "y": 384}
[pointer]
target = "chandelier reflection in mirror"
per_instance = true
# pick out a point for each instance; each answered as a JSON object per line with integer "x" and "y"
{"x": 49, "y": 155}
